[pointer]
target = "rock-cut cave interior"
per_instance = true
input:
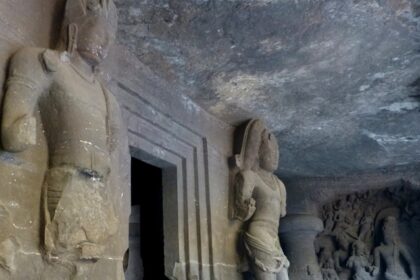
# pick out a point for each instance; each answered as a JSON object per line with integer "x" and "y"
{"x": 210, "y": 139}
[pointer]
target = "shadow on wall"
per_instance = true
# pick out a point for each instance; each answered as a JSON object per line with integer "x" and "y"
{"x": 146, "y": 252}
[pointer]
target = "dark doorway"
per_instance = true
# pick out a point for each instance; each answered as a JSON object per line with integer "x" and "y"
{"x": 146, "y": 195}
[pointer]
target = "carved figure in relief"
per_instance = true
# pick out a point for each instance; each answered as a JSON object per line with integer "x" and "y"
{"x": 367, "y": 224}
{"x": 328, "y": 218}
{"x": 359, "y": 262}
{"x": 340, "y": 211}
{"x": 344, "y": 237}
{"x": 260, "y": 199}
{"x": 328, "y": 271}
{"x": 325, "y": 249}
{"x": 392, "y": 252}
{"x": 357, "y": 229}
{"x": 81, "y": 121}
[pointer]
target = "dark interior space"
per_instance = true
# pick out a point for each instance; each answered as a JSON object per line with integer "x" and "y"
{"x": 146, "y": 187}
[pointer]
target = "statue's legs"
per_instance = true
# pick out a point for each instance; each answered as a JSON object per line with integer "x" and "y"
{"x": 55, "y": 182}
{"x": 72, "y": 204}
{"x": 266, "y": 261}
{"x": 77, "y": 212}
{"x": 283, "y": 274}
{"x": 264, "y": 275}
{"x": 400, "y": 276}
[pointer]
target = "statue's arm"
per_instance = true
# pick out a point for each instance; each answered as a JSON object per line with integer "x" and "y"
{"x": 25, "y": 83}
{"x": 244, "y": 202}
{"x": 406, "y": 255}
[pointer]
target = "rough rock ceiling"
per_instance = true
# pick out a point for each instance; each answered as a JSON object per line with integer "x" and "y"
{"x": 337, "y": 80}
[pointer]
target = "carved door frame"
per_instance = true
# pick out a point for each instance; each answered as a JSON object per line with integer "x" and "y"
{"x": 182, "y": 154}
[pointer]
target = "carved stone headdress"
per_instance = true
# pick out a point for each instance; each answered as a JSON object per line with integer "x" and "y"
{"x": 77, "y": 12}
{"x": 248, "y": 143}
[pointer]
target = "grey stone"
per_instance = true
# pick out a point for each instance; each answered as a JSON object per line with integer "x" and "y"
{"x": 335, "y": 80}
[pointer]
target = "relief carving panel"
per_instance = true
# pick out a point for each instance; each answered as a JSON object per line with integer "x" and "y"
{"x": 371, "y": 235}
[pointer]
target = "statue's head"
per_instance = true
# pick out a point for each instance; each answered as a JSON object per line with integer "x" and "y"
{"x": 89, "y": 27}
{"x": 259, "y": 147}
{"x": 390, "y": 227}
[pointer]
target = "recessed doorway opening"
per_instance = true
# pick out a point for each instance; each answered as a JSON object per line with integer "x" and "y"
{"x": 146, "y": 249}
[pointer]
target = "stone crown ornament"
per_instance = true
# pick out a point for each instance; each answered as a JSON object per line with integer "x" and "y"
{"x": 245, "y": 159}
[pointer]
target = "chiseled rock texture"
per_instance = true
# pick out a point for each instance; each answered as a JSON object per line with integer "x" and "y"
{"x": 336, "y": 80}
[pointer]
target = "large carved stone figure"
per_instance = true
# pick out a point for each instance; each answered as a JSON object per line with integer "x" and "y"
{"x": 81, "y": 122}
{"x": 260, "y": 199}
{"x": 393, "y": 254}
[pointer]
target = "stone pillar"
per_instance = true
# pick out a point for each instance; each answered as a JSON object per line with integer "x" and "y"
{"x": 297, "y": 237}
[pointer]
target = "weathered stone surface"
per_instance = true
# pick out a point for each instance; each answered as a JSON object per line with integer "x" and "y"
{"x": 335, "y": 80}
{"x": 168, "y": 130}
{"x": 63, "y": 158}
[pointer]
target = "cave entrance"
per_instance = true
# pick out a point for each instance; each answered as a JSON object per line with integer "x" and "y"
{"x": 146, "y": 250}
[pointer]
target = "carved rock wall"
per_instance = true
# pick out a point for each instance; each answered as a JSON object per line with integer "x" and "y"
{"x": 165, "y": 128}
{"x": 168, "y": 130}
{"x": 356, "y": 242}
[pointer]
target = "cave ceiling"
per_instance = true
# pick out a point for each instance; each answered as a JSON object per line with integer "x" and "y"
{"x": 338, "y": 81}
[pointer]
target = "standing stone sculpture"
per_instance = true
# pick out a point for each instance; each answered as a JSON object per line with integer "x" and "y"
{"x": 325, "y": 247}
{"x": 260, "y": 201}
{"x": 329, "y": 219}
{"x": 393, "y": 253}
{"x": 81, "y": 123}
{"x": 366, "y": 228}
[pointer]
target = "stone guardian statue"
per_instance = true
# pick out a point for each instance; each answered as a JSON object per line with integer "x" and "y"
{"x": 260, "y": 201}
{"x": 81, "y": 123}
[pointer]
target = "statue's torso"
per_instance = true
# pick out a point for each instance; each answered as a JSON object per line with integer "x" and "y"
{"x": 268, "y": 200}
{"x": 74, "y": 112}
